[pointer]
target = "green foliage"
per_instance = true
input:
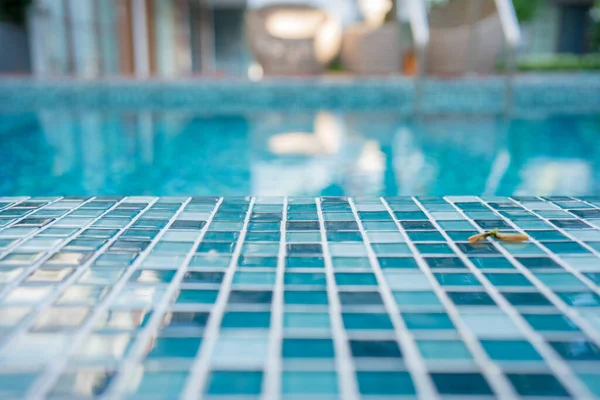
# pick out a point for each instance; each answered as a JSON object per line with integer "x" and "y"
{"x": 525, "y": 9}
{"x": 336, "y": 66}
{"x": 560, "y": 62}
{"x": 595, "y": 35}
{"x": 14, "y": 11}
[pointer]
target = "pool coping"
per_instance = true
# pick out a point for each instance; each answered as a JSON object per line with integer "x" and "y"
{"x": 533, "y": 94}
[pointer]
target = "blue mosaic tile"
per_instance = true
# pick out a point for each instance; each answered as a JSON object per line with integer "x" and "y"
{"x": 321, "y": 383}
{"x": 461, "y": 384}
{"x": 510, "y": 350}
{"x": 375, "y": 349}
{"x": 445, "y": 262}
{"x": 578, "y": 350}
{"x": 543, "y": 385}
{"x": 307, "y": 348}
{"x": 550, "y": 322}
{"x": 443, "y": 350}
{"x": 385, "y": 383}
{"x": 235, "y": 383}
{"x": 149, "y": 297}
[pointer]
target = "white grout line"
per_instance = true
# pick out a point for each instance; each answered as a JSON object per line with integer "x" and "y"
{"x": 36, "y": 232}
{"x": 345, "y": 366}
{"x": 13, "y": 201}
{"x": 48, "y": 253}
{"x": 26, "y": 323}
{"x": 29, "y": 215}
{"x": 494, "y": 377}
{"x": 121, "y": 386}
{"x": 201, "y": 367}
{"x": 411, "y": 355}
{"x": 548, "y": 292}
{"x": 343, "y": 360}
{"x": 26, "y": 215}
{"x": 50, "y": 377}
{"x": 558, "y": 366}
{"x": 565, "y": 265}
{"x": 589, "y": 203}
{"x": 272, "y": 390}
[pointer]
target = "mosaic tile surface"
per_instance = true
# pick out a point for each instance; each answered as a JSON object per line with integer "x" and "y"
{"x": 294, "y": 298}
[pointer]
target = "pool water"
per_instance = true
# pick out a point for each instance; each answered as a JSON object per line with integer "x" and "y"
{"x": 186, "y": 152}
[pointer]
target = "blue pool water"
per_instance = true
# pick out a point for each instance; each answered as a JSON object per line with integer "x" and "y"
{"x": 296, "y": 153}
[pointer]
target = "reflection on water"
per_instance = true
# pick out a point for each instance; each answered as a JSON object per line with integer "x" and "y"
{"x": 301, "y": 153}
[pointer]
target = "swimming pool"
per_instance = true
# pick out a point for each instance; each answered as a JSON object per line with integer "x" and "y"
{"x": 302, "y": 152}
{"x": 143, "y": 281}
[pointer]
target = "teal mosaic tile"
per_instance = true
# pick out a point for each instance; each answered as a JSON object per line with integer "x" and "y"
{"x": 510, "y": 350}
{"x": 145, "y": 297}
{"x": 443, "y": 350}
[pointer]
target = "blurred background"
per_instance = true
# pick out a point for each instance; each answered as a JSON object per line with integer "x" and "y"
{"x": 249, "y": 38}
{"x": 299, "y": 97}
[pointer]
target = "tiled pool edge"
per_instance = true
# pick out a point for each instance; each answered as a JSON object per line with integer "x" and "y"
{"x": 377, "y": 256}
{"x": 533, "y": 94}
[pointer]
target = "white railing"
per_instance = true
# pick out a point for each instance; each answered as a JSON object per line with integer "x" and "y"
{"x": 512, "y": 38}
{"x": 420, "y": 31}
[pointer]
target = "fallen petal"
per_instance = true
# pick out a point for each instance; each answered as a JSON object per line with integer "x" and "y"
{"x": 511, "y": 237}
{"x": 479, "y": 237}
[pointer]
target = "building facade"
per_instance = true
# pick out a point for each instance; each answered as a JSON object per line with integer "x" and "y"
{"x": 158, "y": 38}
{"x": 560, "y": 26}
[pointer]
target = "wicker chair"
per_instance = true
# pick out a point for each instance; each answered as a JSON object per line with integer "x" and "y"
{"x": 292, "y": 39}
{"x": 450, "y": 36}
{"x": 373, "y": 50}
